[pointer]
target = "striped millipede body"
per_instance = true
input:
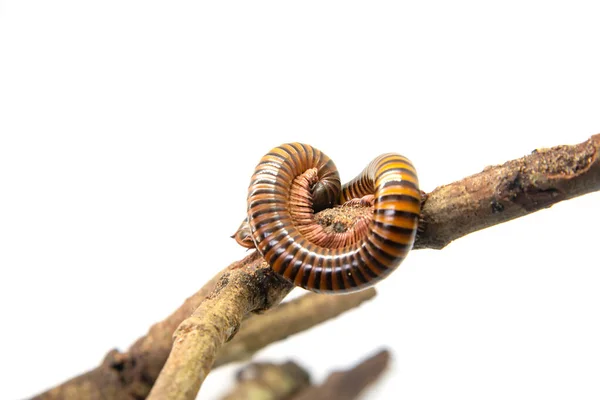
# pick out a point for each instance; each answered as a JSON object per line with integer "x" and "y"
{"x": 391, "y": 178}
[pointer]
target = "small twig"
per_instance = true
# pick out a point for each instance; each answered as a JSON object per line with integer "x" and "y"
{"x": 287, "y": 319}
{"x": 263, "y": 381}
{"x": 348, "y": 385}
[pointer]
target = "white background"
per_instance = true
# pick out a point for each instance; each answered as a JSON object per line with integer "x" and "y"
{"x": 129, "y": 131}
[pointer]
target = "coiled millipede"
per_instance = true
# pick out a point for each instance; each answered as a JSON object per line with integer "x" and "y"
{"x": 271, "y": 228}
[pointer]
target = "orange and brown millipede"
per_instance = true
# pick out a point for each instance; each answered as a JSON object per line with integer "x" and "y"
{"x": 391, "y": 178}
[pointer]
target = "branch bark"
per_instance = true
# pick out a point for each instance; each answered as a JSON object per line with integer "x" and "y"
{"x": 508, "y": 191}
{"x": 251, "y": 287}
{"x": 254, "y": 287}
{"x": 349, "y": 384}
{"x": 130, "y": 375}
{"x": 285, "y": 320}
{"x": 495, "y": 195}
{"x": 265, "y": 381}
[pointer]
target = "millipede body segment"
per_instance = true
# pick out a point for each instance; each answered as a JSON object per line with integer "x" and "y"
{"x": 391, "y": 178}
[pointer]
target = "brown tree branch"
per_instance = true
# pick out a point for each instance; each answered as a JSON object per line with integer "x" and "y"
{"x": 495, "y": 195}
{"x": 131, "y": 375}
{"x": 511, "y": 190}
{"x": 349, "y": 384}
{"x": 289, "y": 381}
{"x": 251, "y": 287}
{"x": 255, "y": 287}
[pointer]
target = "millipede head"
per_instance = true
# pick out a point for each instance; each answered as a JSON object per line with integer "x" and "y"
{"x": 243, "y": 235}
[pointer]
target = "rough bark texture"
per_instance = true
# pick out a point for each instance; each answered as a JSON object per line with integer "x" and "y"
{"x": 287, "y": 319}
{"x": 255, "y": 287}
{"x": 504, "y": 192}
{"x": 348, "y": 385}
{"x": 495, "y": 195}
{"x": 251, "y": 287}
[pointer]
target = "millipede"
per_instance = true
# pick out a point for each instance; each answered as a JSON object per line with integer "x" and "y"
{"x": 390, "y": 179}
